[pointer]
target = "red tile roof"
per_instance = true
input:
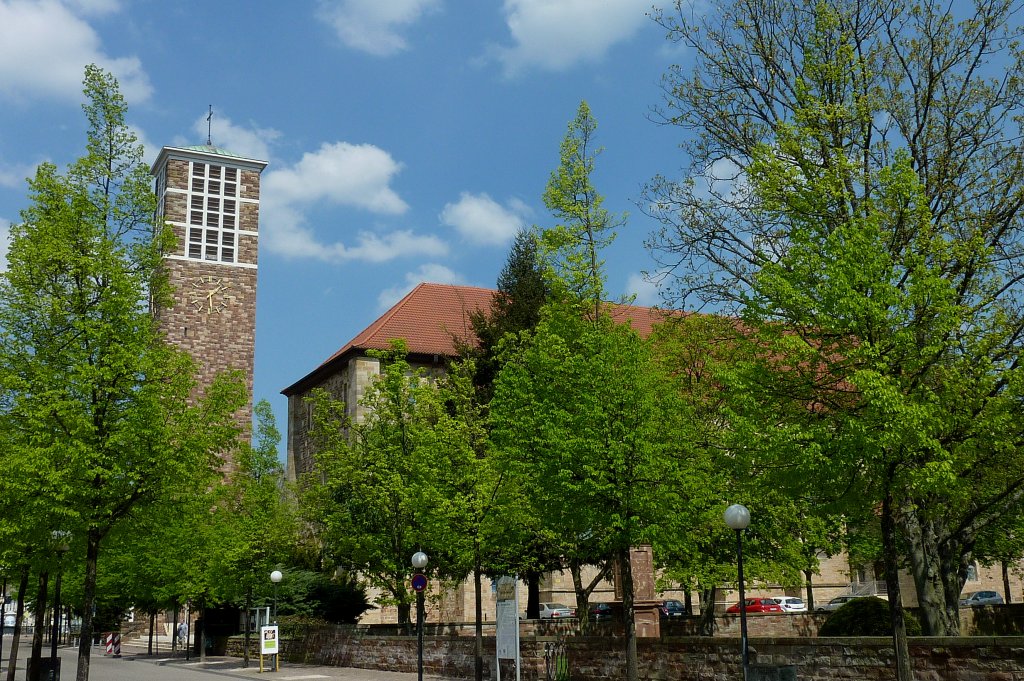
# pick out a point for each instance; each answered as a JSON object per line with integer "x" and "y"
{"x": 427, "y": 318}
{"x": 430, "y": 316}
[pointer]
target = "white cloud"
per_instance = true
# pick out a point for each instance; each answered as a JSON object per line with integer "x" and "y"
{"x": 374, "y": 26}
{"x": 287, "y": 234}
{"x": 149, "y": 149}
{"x": 5, "y": 242}
{"x": 555, "y": 35}
{"x": 251, "y": 142}
{"x": 350, "y": 174}
{"x": 431, "y": 272}
{"x": 344, "y": 174}
{"x": 647, "y": 292}
{"x": 45, "y": 45}
{"x": 482, "y": 220}
{"x": 15, "y": 176}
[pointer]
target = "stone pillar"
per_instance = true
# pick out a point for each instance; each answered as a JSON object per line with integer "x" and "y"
{"x": 646, "y": 609}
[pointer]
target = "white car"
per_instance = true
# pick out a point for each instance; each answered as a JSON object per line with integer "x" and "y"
{"x": 791, "y": 604}
{"x": 556, "y": 611}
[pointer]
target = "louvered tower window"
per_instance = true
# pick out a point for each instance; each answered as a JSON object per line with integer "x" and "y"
{"x": 213, "y": 212}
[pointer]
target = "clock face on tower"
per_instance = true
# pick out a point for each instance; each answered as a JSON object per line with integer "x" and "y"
{"x": 210, "y": 295}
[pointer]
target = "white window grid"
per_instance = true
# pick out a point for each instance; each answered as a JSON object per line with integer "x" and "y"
{"x": 212, "y": 217}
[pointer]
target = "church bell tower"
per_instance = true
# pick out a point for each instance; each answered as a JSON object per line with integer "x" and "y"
{"x": 211, "y": 199}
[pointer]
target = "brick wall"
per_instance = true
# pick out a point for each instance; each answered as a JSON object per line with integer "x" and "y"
{"x": 601, "y": 658}
{"x": 218, "y": 341}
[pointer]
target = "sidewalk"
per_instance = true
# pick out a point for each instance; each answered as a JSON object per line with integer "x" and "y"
{"x": 136, "y": 651}
{"x": 135, "y": 660}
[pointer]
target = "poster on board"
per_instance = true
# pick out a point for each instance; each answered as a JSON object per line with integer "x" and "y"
{"x": 268, "y": 640}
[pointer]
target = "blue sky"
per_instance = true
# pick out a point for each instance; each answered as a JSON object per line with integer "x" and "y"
{"x": 407, "y": 140}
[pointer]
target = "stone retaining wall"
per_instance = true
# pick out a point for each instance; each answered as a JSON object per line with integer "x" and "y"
{"x": 671, "y": 658}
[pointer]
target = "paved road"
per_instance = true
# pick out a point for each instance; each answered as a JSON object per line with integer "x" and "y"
{"x": 137, "y": 666}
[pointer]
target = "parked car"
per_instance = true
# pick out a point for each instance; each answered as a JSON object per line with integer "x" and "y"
{"x": 600, "y": 612}
{"x": 835, "y": 603}
{"x": 757, "y": 606}
{"x": 556, "y": 611}
{"x": 975, "y": 598}
{"x": 672, "y": 609}
{"x": 791, "y": 604}
{"x": 9, "y": 621}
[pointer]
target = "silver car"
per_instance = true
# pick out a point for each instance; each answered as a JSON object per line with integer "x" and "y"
{"x": 836, "y": 603}
{"x": 975, "y": 598}
{"x": 556, "y": 611}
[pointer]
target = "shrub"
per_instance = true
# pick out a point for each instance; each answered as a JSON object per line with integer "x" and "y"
{"x": 866, "y": 617}
{"x": 340, "y": 600}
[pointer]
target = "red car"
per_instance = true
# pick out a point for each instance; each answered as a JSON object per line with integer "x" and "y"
{"x": 757, "y": 606}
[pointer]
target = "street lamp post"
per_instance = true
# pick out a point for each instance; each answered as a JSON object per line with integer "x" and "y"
{"x": 737, "y": 517}
{"x": 60, "y": 537}
{"x": 275, "y": 577}
{"x": 419, "y": 561}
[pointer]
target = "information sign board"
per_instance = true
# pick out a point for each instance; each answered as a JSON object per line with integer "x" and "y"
{"x": 268, "y": 640}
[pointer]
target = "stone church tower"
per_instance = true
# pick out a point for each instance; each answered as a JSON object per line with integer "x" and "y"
{"x": 211, "y": 198}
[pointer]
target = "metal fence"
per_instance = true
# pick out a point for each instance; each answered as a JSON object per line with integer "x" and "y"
{"x": 556, "y": 661}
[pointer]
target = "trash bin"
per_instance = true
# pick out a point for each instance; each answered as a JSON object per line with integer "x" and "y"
{"x": 49, "y": 669}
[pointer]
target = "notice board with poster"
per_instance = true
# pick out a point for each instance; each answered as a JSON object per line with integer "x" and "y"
{"x": 268, "y": 640}
{"x": 507, "y": 622}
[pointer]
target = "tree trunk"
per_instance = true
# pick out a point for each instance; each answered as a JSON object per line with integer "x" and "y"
{"x": 174, "y": 628}
{"x": 582, "y": 597}
{"x": 532, "y": 595}
{"x": 954, "y": 563}
{"x": 688, "y": 600}
{"x": 202, "y": 630}
{"x": 478, "y": 634}
{"x": 20, "y": 614}
{"x": 707, "y": 609}
{"x": 3, "y": 614}
{"x": 152, "y": 624}
{"x": 626, "y": 570}
{"x": 810, "y": 589}
{"x": 403, "y": 617}
{"x": 1007, "y": 594}
{"x": 904, "y": 672}
{"x": 245, "y": 616}
{"x": 40, "y": 627}
{"x": 92, "y": 552}
{"x": 929, "y": 559}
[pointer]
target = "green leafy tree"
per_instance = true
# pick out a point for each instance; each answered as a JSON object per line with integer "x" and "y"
{"x": 693, "y": 355}
{"x": 572, "y": 247}
{"x": 573, "y": 413}
{"x": 522, "y": 292}
{"x": 872, "y": 240}
{"x": 92, "y": 394}
{"x": 574, "y": 418}
{"x": 252, "y": 525}
{"x": 368, "y": 508}
{"x": 462, "y": 508}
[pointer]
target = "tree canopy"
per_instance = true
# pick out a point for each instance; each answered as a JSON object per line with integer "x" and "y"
{"x": 854, "y": 193}
{"x": 98, "y": 410}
